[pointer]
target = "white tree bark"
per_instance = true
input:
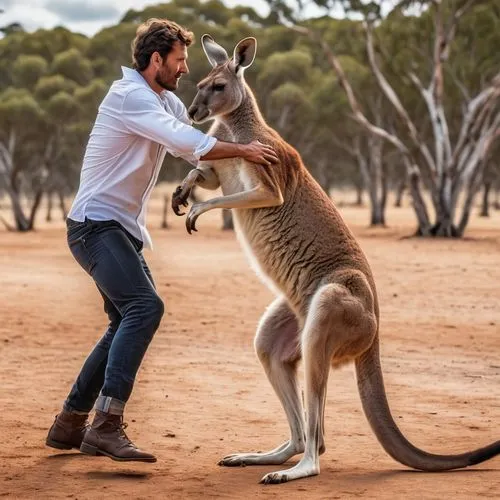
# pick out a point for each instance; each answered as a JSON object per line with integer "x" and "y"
{"x": 446, "y": 168}
{"x": 12, "y": 179}
{"x": 7, "y": 150}
{"x": 412, "y": 168}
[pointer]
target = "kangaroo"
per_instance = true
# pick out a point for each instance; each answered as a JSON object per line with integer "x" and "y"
{"x": 326, "y": 311}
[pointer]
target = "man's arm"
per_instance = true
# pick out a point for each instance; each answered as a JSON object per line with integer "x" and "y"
{"x": 255, "y": 152}
{"x": 144, "y": 115}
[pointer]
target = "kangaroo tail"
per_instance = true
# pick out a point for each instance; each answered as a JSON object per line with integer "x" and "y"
{"x": 376, "y": 408}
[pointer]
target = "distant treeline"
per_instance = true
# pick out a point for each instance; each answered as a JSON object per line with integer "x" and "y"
{"x": 52, "y": 81}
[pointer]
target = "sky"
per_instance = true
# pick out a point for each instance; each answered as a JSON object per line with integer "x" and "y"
{"x": 84, "y": 16}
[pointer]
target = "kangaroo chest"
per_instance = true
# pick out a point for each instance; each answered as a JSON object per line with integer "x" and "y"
{"x": 234, "y": 176}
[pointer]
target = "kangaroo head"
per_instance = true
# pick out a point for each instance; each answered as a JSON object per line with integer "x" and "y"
{"x": 223, "y": 90}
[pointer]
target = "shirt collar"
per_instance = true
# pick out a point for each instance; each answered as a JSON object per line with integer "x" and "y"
{"x": 133, "y": 75}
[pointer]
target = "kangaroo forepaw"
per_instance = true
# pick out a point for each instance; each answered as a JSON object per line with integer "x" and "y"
{"x": 180, "y": 198}
{"x": 196, "y": 210}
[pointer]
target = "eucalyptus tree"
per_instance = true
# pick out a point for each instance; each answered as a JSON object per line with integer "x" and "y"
{"x": 46, "y": 93}
{"x": 491, "y": 181}
{"x": 21, "y": 117}
{"x": 448, "y": 149}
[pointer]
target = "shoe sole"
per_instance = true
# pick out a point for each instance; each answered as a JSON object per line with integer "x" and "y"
{"x": 59, "y": 446}
{"x": 88, "y": 449}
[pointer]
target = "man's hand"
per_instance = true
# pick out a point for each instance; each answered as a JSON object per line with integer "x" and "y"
{"x": 257, "y": 152}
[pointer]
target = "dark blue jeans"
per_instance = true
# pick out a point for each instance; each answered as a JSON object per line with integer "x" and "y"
{"x": 113, "y": 258}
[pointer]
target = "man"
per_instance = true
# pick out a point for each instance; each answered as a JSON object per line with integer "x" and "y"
{"x": 139, "y": 120}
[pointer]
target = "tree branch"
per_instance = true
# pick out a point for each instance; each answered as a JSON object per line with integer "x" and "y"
{"x": 362, "y": 163}
{"x": 342, "y": 145}
{"x": 395, "y": 101}
{"x": 358, "y": 115}
{"x": 487, "y": 134}
{"x": 5, "y": 159}
{"x": 463, "y": 89}
{"x": 484, "y": 99}
{"x": 424, "y": 226}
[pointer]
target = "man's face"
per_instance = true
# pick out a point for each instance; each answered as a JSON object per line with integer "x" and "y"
{"x": 173, "y": 67}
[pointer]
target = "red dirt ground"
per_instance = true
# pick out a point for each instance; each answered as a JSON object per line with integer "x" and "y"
{"x": 201, "y": 393}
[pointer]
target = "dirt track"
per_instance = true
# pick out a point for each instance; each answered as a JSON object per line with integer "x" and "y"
{"x": 201, "y": 393}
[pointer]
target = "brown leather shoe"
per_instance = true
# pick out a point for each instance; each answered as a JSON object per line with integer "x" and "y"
{"x": 67, "y": 431}
{"x": 107, "y": 437}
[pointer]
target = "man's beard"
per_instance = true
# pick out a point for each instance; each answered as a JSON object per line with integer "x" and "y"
{"x": 162, "y": 82}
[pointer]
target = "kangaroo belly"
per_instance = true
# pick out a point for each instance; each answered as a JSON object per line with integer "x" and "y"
{"x": 252, "y": 256}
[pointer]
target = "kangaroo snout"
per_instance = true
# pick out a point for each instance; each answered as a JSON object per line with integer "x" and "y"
{"x": 198, "y": 114}
{"x": 192, "y": 111}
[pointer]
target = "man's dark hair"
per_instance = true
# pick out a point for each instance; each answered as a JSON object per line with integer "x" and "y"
{"x": 157, "y": 35}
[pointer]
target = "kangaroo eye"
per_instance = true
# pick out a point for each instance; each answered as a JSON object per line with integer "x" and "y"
{"x": 219, "y": 87}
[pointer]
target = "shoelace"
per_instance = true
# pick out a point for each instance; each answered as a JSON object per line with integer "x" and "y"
{"x": 121, "y": 427}
{"x": 123, "y": 435}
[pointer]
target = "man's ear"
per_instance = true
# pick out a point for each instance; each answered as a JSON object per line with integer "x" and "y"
{"x": 156, "y": 58}
{"x": 244, "y": 54}
{"x": 214, "y": 52}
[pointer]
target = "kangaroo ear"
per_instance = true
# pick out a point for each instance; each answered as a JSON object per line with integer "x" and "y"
{"x": 244, "y": 53}
{"x": 214, "y": 52}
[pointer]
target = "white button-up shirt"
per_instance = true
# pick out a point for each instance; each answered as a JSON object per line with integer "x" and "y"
{"x": 133, "y": 130}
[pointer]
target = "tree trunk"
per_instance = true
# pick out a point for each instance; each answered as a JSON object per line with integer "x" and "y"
{"x": 21, "y": 222}
{"x": 48, "y": 217}
{"x": 62, "y": 205}
{"x": 34, "y": 208}
{"x": 444, "y": 228}
{"x": 322, "y": 175}
{"x": 359, "y": 194}
{"x": 164, "y": 224}
{"x": 377, "y": 179}
{"x": 473, "y": 188}
{"x": 227, "y": 220}
{"x": 419, "y": 206}
{"x": 400, "y": 189}
{"x": 485, "y": 206}
{"x": 377, "y": 213}
{"x": 496, "y": 203}
{"x": 378, "y": 200}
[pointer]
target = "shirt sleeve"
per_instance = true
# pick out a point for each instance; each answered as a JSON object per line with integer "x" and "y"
{"x": 144, "y": 115}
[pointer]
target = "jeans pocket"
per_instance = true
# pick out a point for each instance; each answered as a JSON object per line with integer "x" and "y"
{"x": 77, "y": 242}
{"x": 75, "y": 229}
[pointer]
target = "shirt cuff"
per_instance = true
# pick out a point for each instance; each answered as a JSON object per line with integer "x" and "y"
{"x": 204, "y": 147}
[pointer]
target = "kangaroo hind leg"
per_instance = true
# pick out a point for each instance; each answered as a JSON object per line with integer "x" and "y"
{"x": 336, "y": 324}
{"x": 278, "y": 347}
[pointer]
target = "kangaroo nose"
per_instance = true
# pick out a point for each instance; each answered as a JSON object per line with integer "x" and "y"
{"x": 192, "y": 111}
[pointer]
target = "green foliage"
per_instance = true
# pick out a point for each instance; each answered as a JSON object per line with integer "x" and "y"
{"x": 88, "y": 98}
{"x": 18, "y": 111}
{"x": 27, "y": 70}
{"x": 47, "y": 86}
{"x": 72, "y": 65}
{"x": 52, "y": 81}
{"x": 62, "y": 108}
{"x": 293, "y": 66}
{"x": 110, "y": 48}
